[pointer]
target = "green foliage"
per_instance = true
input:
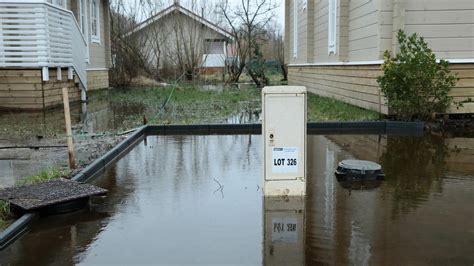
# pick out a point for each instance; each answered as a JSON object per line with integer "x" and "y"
{"x": 415, "y": 85}
{"x": 5, "y": 213}
{"x": 46, "y": 175}
{"x": 256, "y": 67}
{"x": 4, "y": 210}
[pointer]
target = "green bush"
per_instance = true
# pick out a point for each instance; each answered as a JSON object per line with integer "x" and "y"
{"x": 416, "y": 86}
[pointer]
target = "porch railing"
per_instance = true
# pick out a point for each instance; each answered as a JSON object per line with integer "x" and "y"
{"x": 36, "y": 34}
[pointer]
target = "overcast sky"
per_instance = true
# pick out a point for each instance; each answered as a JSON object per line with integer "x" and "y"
{"x": 279, "y": 13}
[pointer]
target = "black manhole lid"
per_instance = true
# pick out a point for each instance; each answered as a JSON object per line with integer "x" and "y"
{"x": 359, "y": 169}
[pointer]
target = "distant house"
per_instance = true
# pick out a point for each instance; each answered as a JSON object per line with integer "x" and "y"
{"x": 335, "y": 47}
{"x": 49, "y": 44}
{"x": 177, "y": 36}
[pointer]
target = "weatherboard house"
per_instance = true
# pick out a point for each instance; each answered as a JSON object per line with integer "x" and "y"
{"x": 46, "y": 45}
{"x": 176, "y": 36}
{"x": 335, "y": 47}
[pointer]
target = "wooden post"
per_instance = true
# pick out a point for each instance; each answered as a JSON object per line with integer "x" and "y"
{"x": 67, "y": 116}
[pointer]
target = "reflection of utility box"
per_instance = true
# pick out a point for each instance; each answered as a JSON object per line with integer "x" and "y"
{"x": 284, "y": 131}
{"x": 284, "y": 230}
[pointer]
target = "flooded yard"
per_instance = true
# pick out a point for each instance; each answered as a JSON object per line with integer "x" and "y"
{"x": 99, "y": 124}
{"x": 197, "y": 199}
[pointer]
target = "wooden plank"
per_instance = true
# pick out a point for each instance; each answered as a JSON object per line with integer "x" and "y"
{"x": 344, "y": 98}
{"x": 370, "y": 90}
{"x": 20, "y": 100}
{"x": 21, "y": 94}
{"x": 442, "y": 31}
{"x": 353, "y": 80}
{"x": 20, "y": 80}
{"x": 21, "y": 106}
{"x": 20, "y": 87}
{"x": 20, "y": 73}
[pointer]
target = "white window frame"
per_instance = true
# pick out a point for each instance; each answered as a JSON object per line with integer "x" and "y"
{"x": 295, "y": 28}
{"x": 83, "y": 16}
{"x": 332, "y": 26}
{"x": 95, "y": 36}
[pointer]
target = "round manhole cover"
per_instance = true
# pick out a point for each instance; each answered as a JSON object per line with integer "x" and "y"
{"x": 359, "y": 169}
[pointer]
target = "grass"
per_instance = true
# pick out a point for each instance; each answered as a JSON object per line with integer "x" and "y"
{"x": 187, "y": 105}
{"x": 328, "y": 109}
{"x": 192, "y": 105}
{"x": 45, "y": 175}
{"x": 5, "y": 214}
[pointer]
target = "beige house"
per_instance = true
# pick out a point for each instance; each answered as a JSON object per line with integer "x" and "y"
{"x": 46, "y": 45}
{"x": 335, "y": 47}
{"x": 177, "y": 36}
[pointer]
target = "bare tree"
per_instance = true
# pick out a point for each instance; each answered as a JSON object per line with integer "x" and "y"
{"x": 189, "y": 37}
{"x": 129, "y": 59}
{"x": 274, "y": 48}
{"x": 247, "y": 21}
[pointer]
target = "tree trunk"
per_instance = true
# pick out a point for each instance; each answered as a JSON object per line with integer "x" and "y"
{"x": 284, "y": 72}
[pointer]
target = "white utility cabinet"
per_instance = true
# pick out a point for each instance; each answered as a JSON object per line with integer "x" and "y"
{"x": 284, "y": 132}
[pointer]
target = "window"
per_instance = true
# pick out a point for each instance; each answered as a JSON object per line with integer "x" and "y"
{"x": 295, "y": 28}
{"x": 95, "y": 22}
{"x": 332, "y": 26}
{"x": 82, "y": 16}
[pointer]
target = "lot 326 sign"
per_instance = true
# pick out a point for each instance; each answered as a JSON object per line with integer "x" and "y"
{"x": 285, "y": 160}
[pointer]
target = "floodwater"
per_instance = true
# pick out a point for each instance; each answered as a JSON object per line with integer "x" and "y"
{"x": 96, "y": 119}
{"x": 197, "y": 200}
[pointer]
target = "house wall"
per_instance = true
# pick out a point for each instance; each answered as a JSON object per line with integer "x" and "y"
{"x": 97, "y": 79}
{"x": 99, "y": 52}
{"x": 321, "y": 33}
{"x": 356, "y": 85}
{"x": 363, "y": 30}
{"x": 366, "y": 28}
{"x": 165, "y": 39}
{"x": 447, "y": 26}
{"x": 25, "y": 89}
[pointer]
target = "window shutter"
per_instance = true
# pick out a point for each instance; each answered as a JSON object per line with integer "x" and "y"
{"x": 332, "y": 26}
{"x": 295, "y": 28}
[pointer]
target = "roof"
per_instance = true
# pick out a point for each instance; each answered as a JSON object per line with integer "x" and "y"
{"x": 187, "y": 12}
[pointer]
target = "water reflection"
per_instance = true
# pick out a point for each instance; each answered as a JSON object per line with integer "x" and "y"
{"x": 284, "y": 231}
{"x": 162, "y": 208}
{"x": 415, "y": 168}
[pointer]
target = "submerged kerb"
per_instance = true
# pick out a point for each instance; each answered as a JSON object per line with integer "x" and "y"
{"x": 21, "y": 225}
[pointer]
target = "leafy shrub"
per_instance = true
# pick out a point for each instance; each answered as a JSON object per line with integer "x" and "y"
{"x": 416, "y": 86}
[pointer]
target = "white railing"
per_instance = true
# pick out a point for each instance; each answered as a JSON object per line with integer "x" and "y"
{"x": 35, "y": 34}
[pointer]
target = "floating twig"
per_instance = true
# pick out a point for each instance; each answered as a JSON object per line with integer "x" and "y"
{"x": 220, "y": 188}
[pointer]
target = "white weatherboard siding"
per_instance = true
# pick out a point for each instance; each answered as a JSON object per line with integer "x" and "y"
{"x": 447, "y": 26}
{"x": 41, "y": 35}
{"x": 365, "y": 29}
